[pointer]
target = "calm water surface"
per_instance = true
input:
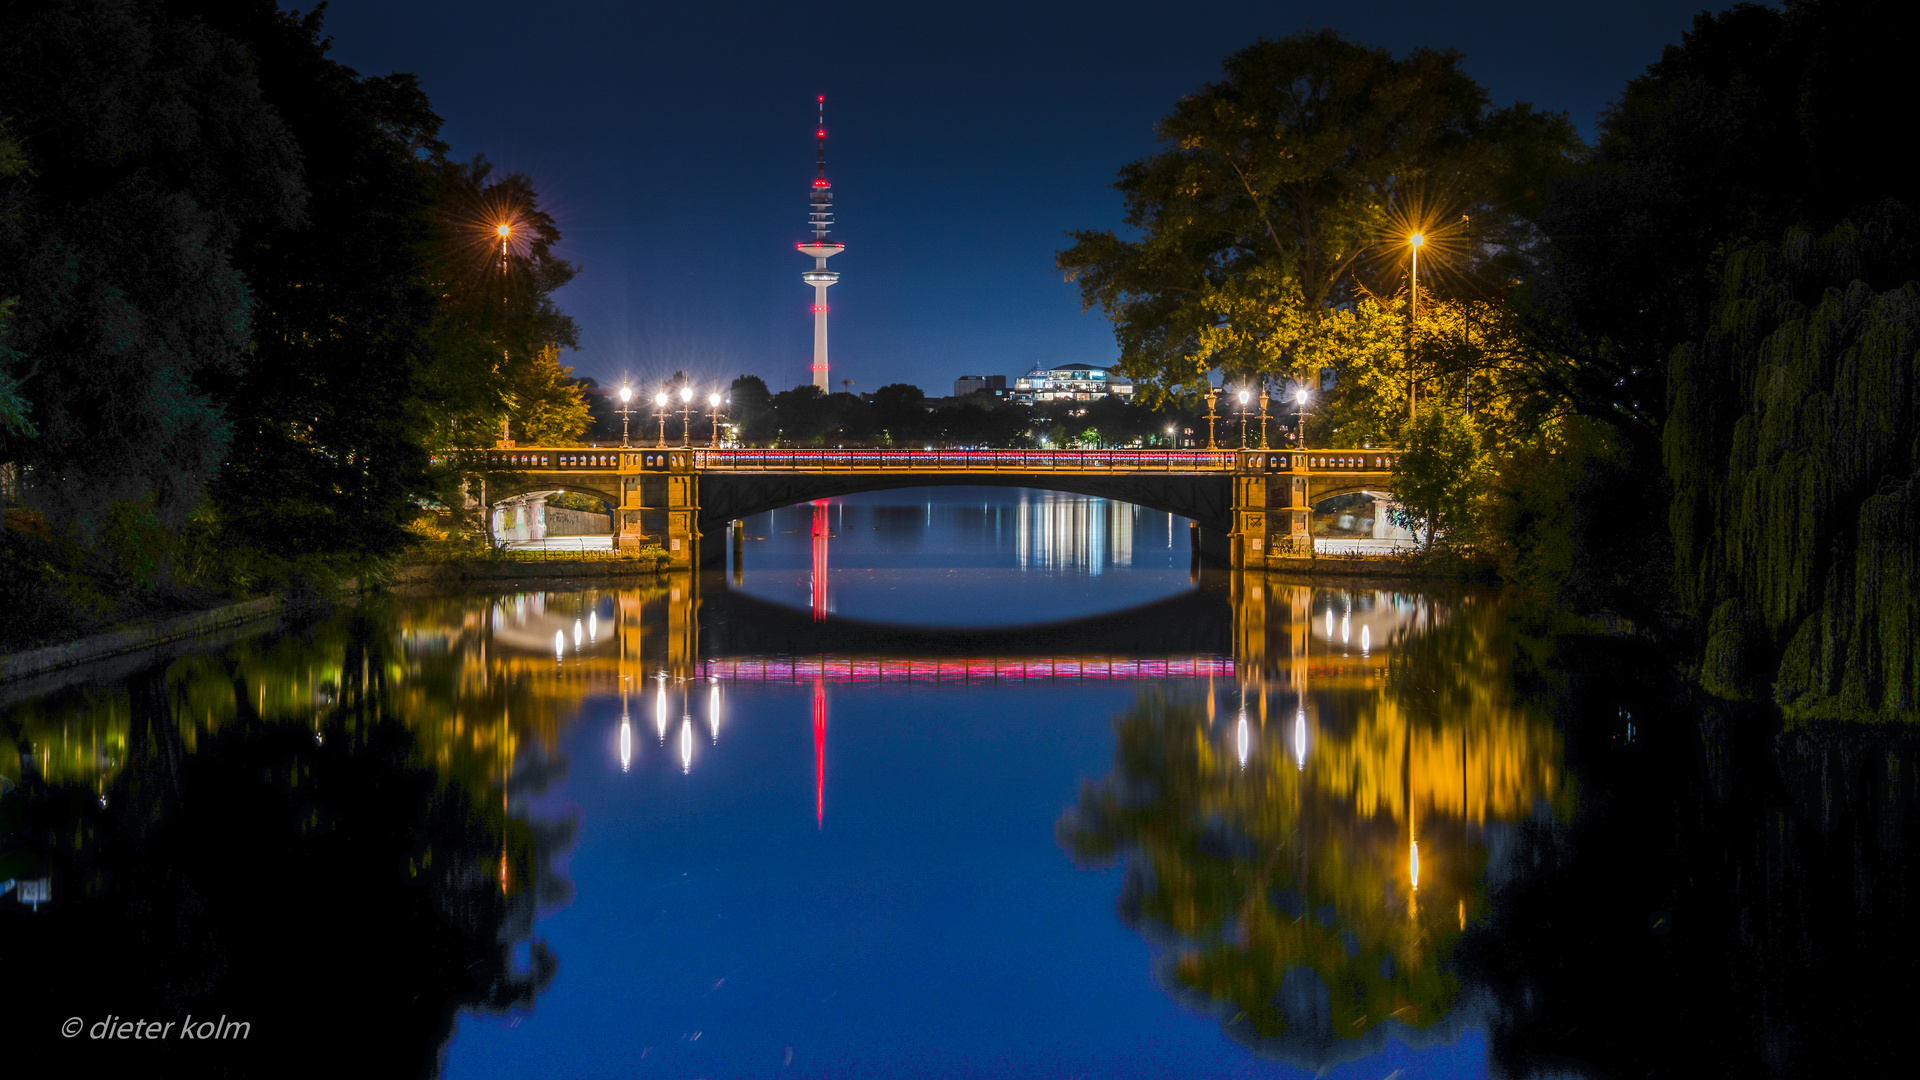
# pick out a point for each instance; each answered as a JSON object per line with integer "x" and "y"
{"x": 974, "y": 782}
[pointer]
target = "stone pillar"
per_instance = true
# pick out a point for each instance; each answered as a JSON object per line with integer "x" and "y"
{"x": 1247, "y": 543}
{"x": 537, "y": 518}
{"x": 660, "y": 504}
{"x": 1271, "y": 514}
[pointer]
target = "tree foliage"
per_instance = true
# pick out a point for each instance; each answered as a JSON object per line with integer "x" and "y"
{"x": 1760, "y": 119}
{"x": 1436, "y": 477}
{"x": 327, "y": 455}
{"x": 1276, "y": 220}
{"x": 145, "y": 151}
{"x": 497, "y": 321}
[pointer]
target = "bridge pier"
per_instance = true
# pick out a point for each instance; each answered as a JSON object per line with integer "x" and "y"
{"x": 660, "y": 504}
{"x": 1272, "y": 514}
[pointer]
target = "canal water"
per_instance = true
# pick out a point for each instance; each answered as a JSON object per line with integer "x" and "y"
{"x": 955, "y": 783}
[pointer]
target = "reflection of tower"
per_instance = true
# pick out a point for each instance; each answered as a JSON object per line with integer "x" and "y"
{"x": 819, "y": 754}
{"x": 820, "y": 219}
{"x": 821, "y": 532}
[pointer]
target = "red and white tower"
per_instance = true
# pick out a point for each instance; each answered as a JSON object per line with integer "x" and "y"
{"x": 821, "y": 220}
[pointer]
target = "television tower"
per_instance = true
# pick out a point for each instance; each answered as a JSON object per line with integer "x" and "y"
{"x": 821, "y": 220}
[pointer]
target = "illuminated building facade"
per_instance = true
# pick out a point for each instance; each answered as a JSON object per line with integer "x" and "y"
{"x": 1074, "y": 382}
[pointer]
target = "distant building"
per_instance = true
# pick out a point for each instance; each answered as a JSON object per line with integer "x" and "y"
{"x": 973, "y": 384}
{"x": 1073, "y": 382}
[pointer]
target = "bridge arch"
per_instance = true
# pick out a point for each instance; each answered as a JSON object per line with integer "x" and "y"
{"x": 727, "y": 497}
{"x": 607, "y": 493}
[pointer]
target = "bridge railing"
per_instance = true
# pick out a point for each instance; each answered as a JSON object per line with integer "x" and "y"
{"x": 753, "y": 460}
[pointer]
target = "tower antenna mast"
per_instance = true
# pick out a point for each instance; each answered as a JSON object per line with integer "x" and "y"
{"x": 820, "y": 220}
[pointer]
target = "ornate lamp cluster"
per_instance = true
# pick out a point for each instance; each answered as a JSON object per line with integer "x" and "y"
{"x": 663, "y": 407}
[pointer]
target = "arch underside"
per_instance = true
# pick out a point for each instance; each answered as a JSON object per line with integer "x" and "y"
{"x": 1317, "y": 495}
{"x": 607, "y": 494}
{"x": 725, "y": 497}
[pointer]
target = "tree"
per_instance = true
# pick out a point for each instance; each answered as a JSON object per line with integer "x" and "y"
{"x": 899, "y": 414}
{"x": 144, "y": 153}
{"x": 13, "y": 407}
{"x": 751, "y": 406}
{"x": 1436, "y": 476}
{"x": 1758, "y": 121}
{"x": 1284, "y": 200}
{"x": 496, "y": 315}
{"x": 328, "y": 455}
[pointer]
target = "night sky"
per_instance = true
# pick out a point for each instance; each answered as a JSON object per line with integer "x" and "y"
{"x": 674, "y": 145}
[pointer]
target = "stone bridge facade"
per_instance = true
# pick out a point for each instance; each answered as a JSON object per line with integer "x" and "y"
{"x": 1248, "y": 505}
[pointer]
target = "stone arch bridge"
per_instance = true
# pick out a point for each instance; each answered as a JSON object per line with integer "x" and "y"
{"x": 1249, "y": 505}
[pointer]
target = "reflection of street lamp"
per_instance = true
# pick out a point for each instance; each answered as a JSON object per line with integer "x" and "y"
{"x": 1213, "y": 395}
{"x": 660, "y": 410}
{"x": 686, "y": 412}
{"x": 626, "y": 415}
{"x": 714, "y": 401}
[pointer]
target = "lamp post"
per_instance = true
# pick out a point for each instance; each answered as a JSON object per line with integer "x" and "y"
{"x": 1171, "y": 441}
{"x": 1213, "y": 396}
{"x": 713, "y": 400}
{"x": 626, "y": 415}
{"x": 503, "y": 231}
{"x": 1263, "y": 416}
{"x": 686, "y": 413}
{"x": 1243, "y": 419}
{"x": 1300, "y": 417}
{"x": 660, "y": 410}
{"x": 1413, "y": 314}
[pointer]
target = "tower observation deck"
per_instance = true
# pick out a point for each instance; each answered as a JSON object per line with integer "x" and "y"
{"x": 820, "y": 249}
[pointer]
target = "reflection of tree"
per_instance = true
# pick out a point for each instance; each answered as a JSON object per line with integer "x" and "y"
{"x": 1285, "y": 889}
{"x": 307, "y": 872}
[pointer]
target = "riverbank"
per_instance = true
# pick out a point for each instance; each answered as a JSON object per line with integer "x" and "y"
{"x": 142, "y": 641}
{"x": 1425, "y": 566}
{"x": 430, "y": 567}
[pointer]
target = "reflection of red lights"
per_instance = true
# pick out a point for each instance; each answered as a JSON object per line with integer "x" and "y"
{"x": 820, "y": 536}
{"x": 819, "y": 754}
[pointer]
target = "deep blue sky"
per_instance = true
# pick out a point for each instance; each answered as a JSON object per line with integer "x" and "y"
{"x": 673, "y": 143}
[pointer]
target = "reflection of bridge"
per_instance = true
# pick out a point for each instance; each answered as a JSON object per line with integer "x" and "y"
{"x": 1247, "y": 629}
{"x": 1249, "y": 505}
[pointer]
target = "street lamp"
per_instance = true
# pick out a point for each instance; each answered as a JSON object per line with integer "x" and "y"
{"x": 1171, "y": 441}
{"x": 626, "y": 415}
{"x": 1213, "y": 396}
{"x": 1413, "y": 313}
{"x": 713, "y": 400}
{"x": 1243, "y": 419}
{"x": 660, "y": 410}
{"x": 503, "y": 231}
{"x": 1263, "y": 415}
{"x": 1300, "y": 421}
{"x": 686, "y": 410}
